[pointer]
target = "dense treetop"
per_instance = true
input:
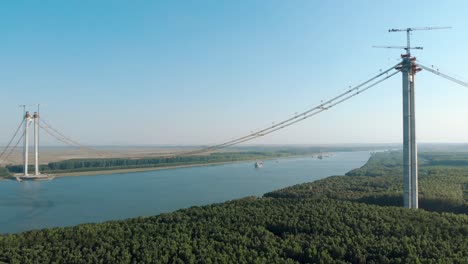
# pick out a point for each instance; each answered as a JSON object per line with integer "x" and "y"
{"x": 442, "y": 187}
{"x": 255, "y": 230}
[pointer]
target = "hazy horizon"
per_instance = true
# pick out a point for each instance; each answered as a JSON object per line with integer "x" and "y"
{"x": 420, "y": 144}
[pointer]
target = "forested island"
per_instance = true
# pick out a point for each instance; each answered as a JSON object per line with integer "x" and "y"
{"x": 356, "y": 218}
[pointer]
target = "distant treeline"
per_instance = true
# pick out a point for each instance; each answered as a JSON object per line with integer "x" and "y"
{"x": 76, "y": 165}
{"x": 4, "y": 172}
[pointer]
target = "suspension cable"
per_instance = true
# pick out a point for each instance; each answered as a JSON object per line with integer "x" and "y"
{"x": 437, "y": 72}
{"x": 46, "y": 124}
{"x": 68, "y": 141}
{"x": 292, "y": 122}
{"x": 11, "y": 140}
{"x": 56, "y": 137}
{"x": 16, "y": 145}
{"x": 270, "y": 129}
{"x": 322, "y": 105}
{"x": 330, "y": 106}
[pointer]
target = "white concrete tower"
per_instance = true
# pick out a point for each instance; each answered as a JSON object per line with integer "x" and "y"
{"x": 36, "y": 143}
{"x": 410, "y": 149}
{"x": 413, "y": 145}
{"x": 27, "y": 119}
{"x": 407, "y": 170}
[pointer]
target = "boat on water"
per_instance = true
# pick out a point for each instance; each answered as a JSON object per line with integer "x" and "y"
{"x": 322, "y": 155}
{"x": 258, "y": 164}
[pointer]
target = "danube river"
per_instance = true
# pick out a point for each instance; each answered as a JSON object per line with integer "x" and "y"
{"x": 73, "y": 200}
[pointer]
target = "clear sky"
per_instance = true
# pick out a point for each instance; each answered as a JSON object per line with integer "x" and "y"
{"x": 200, "y": 72}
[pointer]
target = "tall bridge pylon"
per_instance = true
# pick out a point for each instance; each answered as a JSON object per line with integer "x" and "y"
{"x": 409, "y": 68}
{"x": 27, "y": 120}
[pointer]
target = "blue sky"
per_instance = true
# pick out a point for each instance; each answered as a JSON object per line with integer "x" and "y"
{"x": 200, "y": 72}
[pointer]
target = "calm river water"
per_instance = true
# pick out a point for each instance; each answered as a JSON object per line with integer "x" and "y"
{"x": 73, "y": 200}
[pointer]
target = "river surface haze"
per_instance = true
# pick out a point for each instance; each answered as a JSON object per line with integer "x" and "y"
{"x": 69, "y": 201}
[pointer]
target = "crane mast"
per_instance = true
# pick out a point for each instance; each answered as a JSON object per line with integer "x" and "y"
{"x": 408, "y": 35}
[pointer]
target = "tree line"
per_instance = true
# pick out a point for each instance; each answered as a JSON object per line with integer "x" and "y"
{"x": 75, "y": 165}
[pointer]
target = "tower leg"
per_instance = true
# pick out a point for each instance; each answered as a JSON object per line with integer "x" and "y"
{"x": 413, "y": 146}
{"x": 407, "y": 170}
{"x": 36, "y": 143}
{"x": 27, "y": 118}
{"x": 410, "y": 151}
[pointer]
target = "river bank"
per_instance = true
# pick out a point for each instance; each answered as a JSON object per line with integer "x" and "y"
{"x": 144, "y": 169}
